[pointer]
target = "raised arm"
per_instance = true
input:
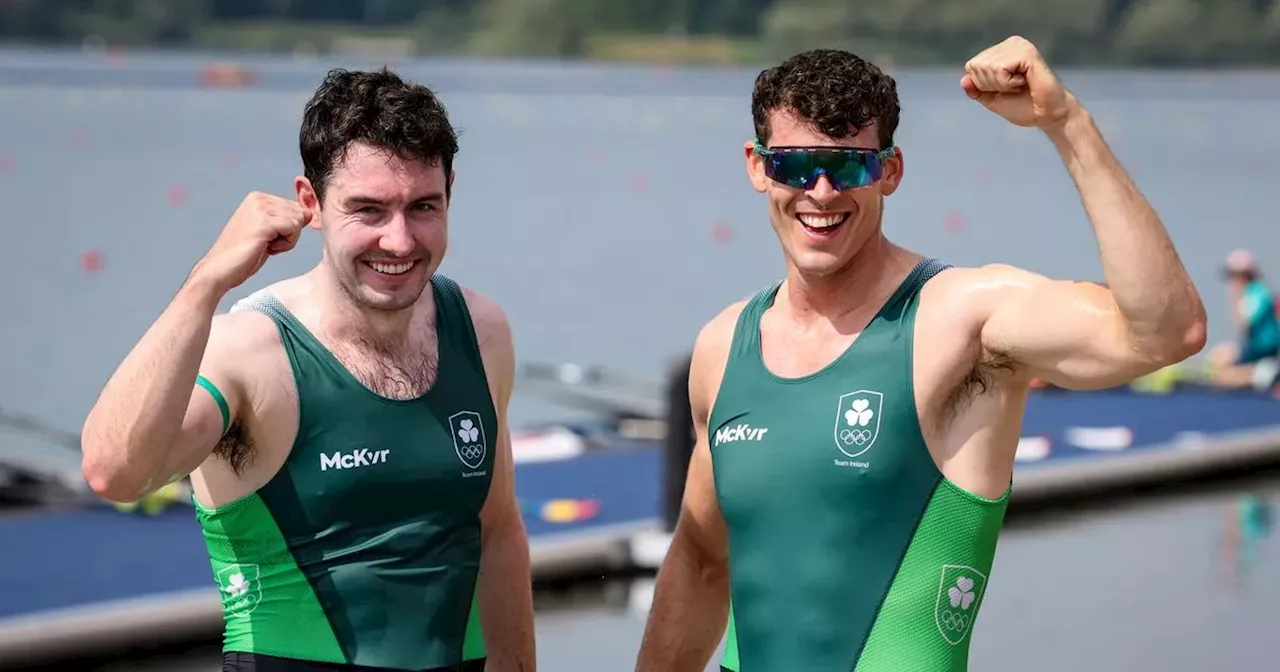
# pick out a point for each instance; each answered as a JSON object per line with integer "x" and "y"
{"x": 1079, "y": 334}
{"x": 691, "y": 599}
{"x": 506, "y": 589}
{"x": 150, "y": 424}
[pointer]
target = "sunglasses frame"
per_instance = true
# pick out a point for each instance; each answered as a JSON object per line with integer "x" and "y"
{"x": 880, "y": 154}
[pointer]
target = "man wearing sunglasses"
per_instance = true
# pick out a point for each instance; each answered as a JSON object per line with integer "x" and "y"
{"x": 857, "y": 422}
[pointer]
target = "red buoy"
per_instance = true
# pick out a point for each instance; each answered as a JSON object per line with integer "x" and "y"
{"x": 91, "y": 261}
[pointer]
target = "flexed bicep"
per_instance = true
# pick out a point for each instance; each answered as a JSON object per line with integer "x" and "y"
{"x": 1069, "y": 333}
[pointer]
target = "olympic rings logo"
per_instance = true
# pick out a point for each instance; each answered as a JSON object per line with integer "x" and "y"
{"x": 952, "y": 621}
{"x": 855, "y": 436}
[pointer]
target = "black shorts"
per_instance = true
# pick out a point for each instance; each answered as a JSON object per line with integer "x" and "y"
{"x": 234, "y": 661}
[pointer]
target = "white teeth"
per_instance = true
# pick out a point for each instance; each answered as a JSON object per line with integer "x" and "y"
{"x": 391, "y": 269}
{"x": 820, "y": 221}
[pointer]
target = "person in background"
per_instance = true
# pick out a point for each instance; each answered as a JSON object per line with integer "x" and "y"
{"x": 1254, "y": 360}
{"x": 1247, "y": 523}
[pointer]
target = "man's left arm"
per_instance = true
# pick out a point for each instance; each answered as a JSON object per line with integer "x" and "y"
{"x": 506, "y": 600}
{"x": 1084, "y": 335}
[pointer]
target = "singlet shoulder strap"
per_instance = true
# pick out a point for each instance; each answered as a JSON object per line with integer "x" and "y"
{"x": 899, "y": 311}
{"x": 911, "y": 285}
{"x": 263, "y": 301}
{"x": 291, "y": 330}
{"x": 746, "y": 333}
{"x": 924, "y": 271}
{"x": 305, "y": 352}
{"x": 453, "y": 319}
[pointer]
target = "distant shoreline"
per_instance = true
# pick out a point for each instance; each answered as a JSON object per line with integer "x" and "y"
{"x": 234, "y": 56}
{"x": 312, "y": 41}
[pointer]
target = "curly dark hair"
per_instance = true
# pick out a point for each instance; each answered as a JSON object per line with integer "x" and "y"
{"x": 378, "y": 108}
{"x": 838, "y": 92}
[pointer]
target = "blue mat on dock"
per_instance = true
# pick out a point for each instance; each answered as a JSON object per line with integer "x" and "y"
{"x": 55, "y": 560}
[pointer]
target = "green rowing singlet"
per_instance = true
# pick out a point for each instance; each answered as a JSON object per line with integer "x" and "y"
{"x": 365, "y": 548}
{"x": 848, "y": 550}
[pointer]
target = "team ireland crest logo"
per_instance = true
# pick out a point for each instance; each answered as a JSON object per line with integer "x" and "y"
{"x": 241, "y": 588}
{"x": 468, "y": 438}
{"x": 960, "y": 590}
{"x": 858, "y": 421}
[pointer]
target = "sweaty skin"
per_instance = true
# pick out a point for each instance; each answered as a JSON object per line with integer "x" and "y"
{"x": 980, "y": 335}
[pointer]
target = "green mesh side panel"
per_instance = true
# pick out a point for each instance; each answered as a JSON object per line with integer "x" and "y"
{"x": 927, "y": 618}
{"x": 473, "y": 641}
{"x": 267, "y": 602}
{"x": 729, "y": 660}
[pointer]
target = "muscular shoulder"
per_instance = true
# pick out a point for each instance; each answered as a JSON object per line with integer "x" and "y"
{"x": 242, "y": 359}
{"x": 493, "y": 334}
{"x": 238, "y": 339}
{"x": 956, "y": 308}
{"x": 710, "y": 353}
{"x": 493, "y": 330}
{"x": 716, "y": 335}
{"x": 972, "y": 294}
{"x": 976, "y": 281}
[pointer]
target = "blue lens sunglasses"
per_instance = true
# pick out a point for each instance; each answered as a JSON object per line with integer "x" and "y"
{"x": 846, "y": 167}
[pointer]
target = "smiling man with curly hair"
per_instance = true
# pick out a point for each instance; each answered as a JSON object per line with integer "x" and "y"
{"x": 857, "y": 421}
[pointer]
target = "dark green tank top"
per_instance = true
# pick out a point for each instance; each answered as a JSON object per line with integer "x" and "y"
{"x": 365, "y": 548}
{"x": 848, "y": 550}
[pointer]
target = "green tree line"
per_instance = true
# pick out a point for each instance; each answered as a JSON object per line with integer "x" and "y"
{"x": 1074, "y": 32}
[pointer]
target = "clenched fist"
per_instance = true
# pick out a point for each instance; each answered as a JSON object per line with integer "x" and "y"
{"x": 263, "y": 225}
{"x": 1013, "y": 80}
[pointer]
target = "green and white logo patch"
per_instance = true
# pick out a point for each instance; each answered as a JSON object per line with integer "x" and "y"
{"x": 241, "y": 587}
{"x": 468, "y": 438}
{"x": 960, "y": 590}
{"x": 858, "y": 421}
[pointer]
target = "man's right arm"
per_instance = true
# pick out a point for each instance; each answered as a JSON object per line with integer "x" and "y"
{"x": 147, "y": 427}
{"x": 150, "y": 423}
{"x": 691, "y": 598}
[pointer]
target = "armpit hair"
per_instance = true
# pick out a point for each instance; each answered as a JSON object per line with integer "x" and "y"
{"x": 991, "y": 367}
{"x": 235, "y": 448}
